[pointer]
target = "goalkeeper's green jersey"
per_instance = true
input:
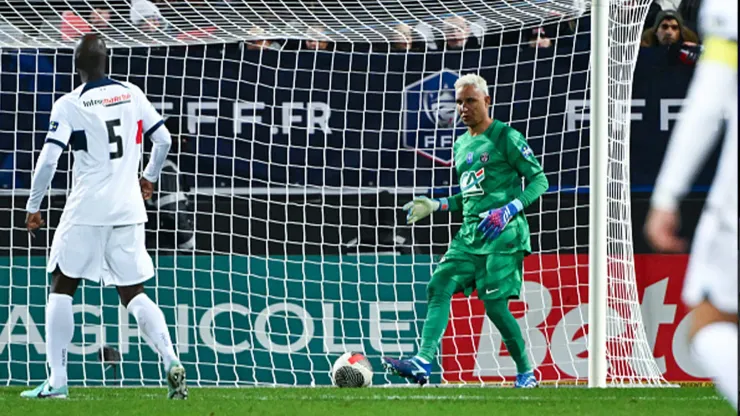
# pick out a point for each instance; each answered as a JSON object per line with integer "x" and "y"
{"x": 490, "y": 167}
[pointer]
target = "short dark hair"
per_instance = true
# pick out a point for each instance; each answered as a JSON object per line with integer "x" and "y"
{"x": 91, "y": 54}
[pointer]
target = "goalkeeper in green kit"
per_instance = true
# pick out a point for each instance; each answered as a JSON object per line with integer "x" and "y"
{"x": 488, "y": 252}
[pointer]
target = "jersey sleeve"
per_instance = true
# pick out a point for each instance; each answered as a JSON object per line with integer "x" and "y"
{"x": 695, "y": 132}
{"x": 520, "y": 155}
{"x": 718, "y": 24}
{"x": 60, "y": 123}
{"x": 522, "y": 159}
{"x": 718, "y": 18}
{"x": 150, "y": 117}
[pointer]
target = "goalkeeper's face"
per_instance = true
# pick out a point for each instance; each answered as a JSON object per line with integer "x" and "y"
{"x": 472, "y": 104}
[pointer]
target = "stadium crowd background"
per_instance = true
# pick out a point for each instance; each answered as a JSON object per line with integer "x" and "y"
{"x": 669, "y": 48}
{"x": 669, "y": 35}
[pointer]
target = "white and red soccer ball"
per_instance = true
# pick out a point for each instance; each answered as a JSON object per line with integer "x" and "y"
{"x": 352, "y": 369}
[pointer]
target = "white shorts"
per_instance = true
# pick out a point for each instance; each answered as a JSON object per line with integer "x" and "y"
{"x": 113, "y": 255}
{"x": 712, "y": 270}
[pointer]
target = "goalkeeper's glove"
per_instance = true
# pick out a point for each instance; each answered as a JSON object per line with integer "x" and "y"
{"x": 495, "y": 220}
{"x": 422, "y": 206}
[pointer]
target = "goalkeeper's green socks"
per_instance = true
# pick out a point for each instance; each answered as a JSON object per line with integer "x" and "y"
{"x": 498, "y": 312}
{"x": 439, "y": 297}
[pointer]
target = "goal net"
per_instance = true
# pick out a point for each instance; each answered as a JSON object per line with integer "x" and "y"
{"x": 299, "y": 130}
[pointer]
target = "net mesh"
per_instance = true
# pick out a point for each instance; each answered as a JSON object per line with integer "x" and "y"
{"x": 300, "y": 128}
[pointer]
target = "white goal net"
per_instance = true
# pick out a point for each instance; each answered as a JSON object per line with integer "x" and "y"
{"x": 300, "y": 129}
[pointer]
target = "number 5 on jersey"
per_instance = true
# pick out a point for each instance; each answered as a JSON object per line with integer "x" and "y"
{"x": 114, "y": 138}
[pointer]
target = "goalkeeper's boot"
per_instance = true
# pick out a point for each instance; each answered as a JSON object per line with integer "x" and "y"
{"x": 413, "y": 369}
{"x": 45, "y": 391}
{"x": 177, "y": 388}
{"x": 526, "y": 380}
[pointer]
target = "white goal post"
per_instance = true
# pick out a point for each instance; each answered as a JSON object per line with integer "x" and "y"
{"x": 301, "y": 128}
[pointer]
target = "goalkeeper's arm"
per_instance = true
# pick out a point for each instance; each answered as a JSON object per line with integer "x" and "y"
{"x": 422, "y": 206}
{"x": 536, "y": 186}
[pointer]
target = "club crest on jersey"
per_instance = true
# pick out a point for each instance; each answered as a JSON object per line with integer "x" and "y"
{"x": 469, "y": 158}
{"x": 484, "y": 157}
{"x": 470, "y": 182}
{"x": 53, "y": 126}
{"x": 526, "y": 151}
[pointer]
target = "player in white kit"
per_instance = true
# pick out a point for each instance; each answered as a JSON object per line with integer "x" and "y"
{"x": 100, "y": 236}
{"x": 710, "y": 288}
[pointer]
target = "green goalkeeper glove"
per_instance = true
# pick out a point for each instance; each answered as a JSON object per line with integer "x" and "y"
{"x": 422, "y": 206}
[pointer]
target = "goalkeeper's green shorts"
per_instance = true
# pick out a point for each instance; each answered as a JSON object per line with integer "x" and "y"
{"x": 495, "y": 276}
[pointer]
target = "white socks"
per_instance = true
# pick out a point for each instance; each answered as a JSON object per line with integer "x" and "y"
{"x": 423, "y": 361}
{"x": 714, "y": 347}
{"x": 151, "y": 322}
{"x": 60, "y": 328}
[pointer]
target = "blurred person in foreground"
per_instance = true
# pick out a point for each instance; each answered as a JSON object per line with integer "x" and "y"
{"x": 710, "y": 288}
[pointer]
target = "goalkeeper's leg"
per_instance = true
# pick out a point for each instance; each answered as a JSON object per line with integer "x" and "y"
{"x": 455, "y": 273}
{"x": 501, "y": 282}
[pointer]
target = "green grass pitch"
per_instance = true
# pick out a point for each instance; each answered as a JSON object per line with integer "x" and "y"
{"x": 449, "y": 401}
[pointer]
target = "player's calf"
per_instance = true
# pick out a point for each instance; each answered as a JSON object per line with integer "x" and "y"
{"x": 713, "y": 340}
{"x": 151, "y": 322}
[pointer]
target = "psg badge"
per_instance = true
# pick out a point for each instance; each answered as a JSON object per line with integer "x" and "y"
{"x": 484, "y": 157}
{"x": 469, "y": 159}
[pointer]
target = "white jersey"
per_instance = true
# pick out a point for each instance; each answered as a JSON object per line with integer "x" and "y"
{"x": 718, "y": 20}
{"x": 104, "y": 122}
{"x": 712, "y": 97}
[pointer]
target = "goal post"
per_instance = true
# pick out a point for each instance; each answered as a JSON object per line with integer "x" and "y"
{"x": 300, "y": 129}
{"x": 598, "y": 182}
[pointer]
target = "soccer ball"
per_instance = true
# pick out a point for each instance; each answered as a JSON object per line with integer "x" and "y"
{"x": 352, "y": 369}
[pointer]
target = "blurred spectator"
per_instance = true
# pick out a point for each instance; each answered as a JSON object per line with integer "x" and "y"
{"x": 678, "y": 43}
{"x": 319, "y": 41}
{"x": 100, "y": 19}
{"x": 145, "y": 16}
{"x": 537, "y": 38}
{"x": 573, "y": 35}
{"x": 73, "y": 26}
{"x": 401, "y": 39}
{"x": 668, "y": 29}
{"x": 258, "y": 43}
{"x": 653, "y": 10}
{"x": 457, "y": 35}
{"x": 689, "y": 10}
